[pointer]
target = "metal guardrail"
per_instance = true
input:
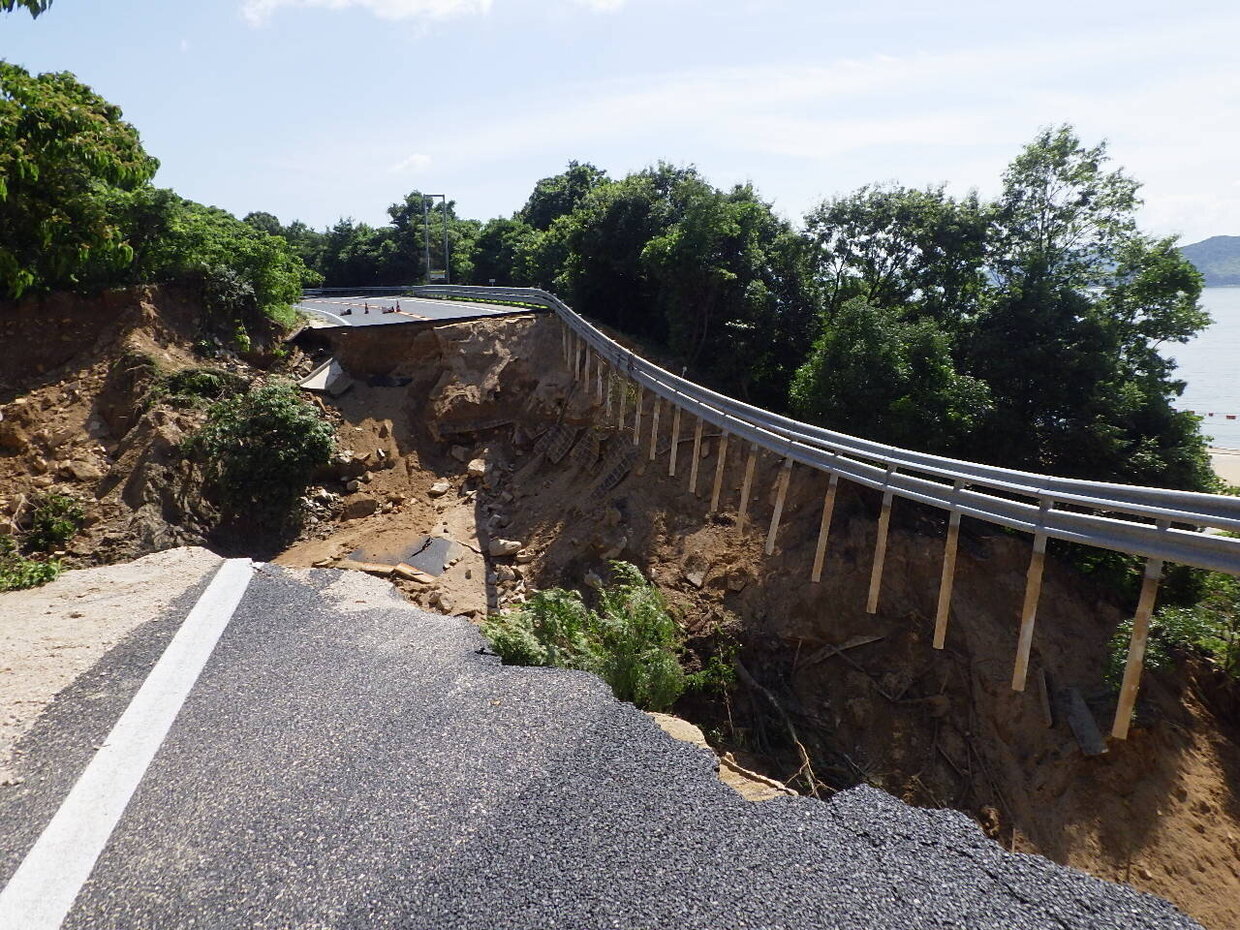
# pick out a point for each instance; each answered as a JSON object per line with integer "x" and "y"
{"x": 1155, "y": 523}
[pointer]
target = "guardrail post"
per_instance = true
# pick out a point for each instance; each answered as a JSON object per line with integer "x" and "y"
{"x": 585, "y": 369}
{"x": 697, "y": 457}
{"x": 746, "y": 489}
{"x": 722, "y": 457}
{"x": 607, "y": 383}
{"x": 637, "y": 419}
{"x": 824, "y": 527}
{"x": 949, "y": 574}
{"x": 564, "y": 342}
{"x": 1029, "y": 612}
{"x": 671, "y": 465}
{"x": 1136, "y": 648}
{"x": 598, "y": 369}
{"x": 654, "y": 426}
{"x": 880, "y": 547}
{"x": 781, "y": 491}
{"x": 623, "y": 385}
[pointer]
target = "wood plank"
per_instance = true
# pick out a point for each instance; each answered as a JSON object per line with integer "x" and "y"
{"x": 697, "y": 457}
{"x": 657, "y": 406}
{"x": 947, "y": 579}
{"x": 671, "y": 465}
{"x": 880, "y": 552}
{"x": 746, "y": 488}
{"x": 1084, "y": 726}
{"x": 1136, "y": 648}
{"x": 781, "y": 492}
{"x": 824, "y": 528}
{"x": 637, "y": 418}
{"x": 720, "y": 462}
{"x": 1029, "y": 612}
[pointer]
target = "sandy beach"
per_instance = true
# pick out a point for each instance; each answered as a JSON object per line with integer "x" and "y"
{"x": 1226, "y": 464}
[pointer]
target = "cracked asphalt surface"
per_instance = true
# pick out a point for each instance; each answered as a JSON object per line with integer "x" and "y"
{"x": 347, "y": 760}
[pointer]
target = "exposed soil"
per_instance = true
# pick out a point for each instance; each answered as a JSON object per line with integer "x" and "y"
{"x": 866, "y": 695}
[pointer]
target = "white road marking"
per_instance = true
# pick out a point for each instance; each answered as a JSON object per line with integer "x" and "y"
{"x": 341, "y": 320}
{"x": 41, "y": 892}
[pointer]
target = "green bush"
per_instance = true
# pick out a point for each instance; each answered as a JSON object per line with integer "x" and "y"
{"x": 192, "y": 387}
{"x": 261, "y": 449}
{"x": 17, "y": 571}
{"x": 56, "y": 520}
{"x": 1209, "y": 628}
{"x": 631, "y": 641}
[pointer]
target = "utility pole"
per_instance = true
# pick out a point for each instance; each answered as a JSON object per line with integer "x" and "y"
{"x": 426, "y": 238}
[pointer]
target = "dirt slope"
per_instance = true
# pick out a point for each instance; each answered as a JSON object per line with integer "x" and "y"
{"x": 935, "y": 728}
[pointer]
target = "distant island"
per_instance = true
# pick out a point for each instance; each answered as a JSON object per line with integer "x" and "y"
{"x": 1217, "y": 258}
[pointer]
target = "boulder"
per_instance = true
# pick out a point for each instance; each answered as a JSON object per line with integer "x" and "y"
{"x": 476, "y": 468}
{"x": 440, "y": 488}
{"x": 361, "y": 507}
{"x": 504, "y": 547}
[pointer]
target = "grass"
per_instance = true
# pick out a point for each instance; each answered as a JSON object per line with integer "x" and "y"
{"x": 17, "y": 571}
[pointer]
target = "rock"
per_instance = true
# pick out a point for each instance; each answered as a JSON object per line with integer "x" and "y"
{"x": 524, "y": 558}
{"x": 460, "y": 453}
{"x": 81, "y": 471}
{"x": 362, "y": 507}
{"x": 352, "y": 485}
{"x": 592, "y": 580}
{"x": 505, "y": 573}
{"x": 615, "y": 550}
{"x": 695, "y": 577}
{"x": 738, "y": 579}
{"x": 476, "y": 468}
{"x": 13, "y": 436}
{"x": 446, "y": 603}
{"x": 440, "y": 488}
{"x": 612, "y": 516}
{"x": 503, "y": 547}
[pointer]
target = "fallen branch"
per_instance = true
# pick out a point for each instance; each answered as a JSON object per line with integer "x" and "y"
{"x": 806, "y": 767}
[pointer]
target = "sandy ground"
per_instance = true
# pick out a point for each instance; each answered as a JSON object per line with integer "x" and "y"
{"x": 1226, "y": 464}
{"x": 51, "y": 635}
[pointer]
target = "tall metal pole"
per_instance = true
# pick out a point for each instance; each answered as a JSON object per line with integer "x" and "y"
{"x": 447, "y": 274}
{"x": 426, "y": 238}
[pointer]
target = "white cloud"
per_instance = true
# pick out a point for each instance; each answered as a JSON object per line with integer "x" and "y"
{"x": 601, "y": 6}
{"x": 415, "y": 162}
{"x": 257, "y": 12}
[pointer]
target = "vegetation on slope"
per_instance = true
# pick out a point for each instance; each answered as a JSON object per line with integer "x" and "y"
{"x": 1217, "y": 258}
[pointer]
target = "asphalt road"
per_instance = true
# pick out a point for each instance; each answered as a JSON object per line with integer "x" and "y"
{"x": 348, "y": 761}
{"x": 412, "y": 309}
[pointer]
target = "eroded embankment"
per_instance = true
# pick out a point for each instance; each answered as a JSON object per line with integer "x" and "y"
{"x": 867, "y": 696}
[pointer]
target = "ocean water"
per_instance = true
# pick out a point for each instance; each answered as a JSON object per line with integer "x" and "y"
{"x": 1211, "y": 366}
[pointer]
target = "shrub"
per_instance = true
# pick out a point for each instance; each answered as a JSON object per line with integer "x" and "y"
{"x": 631, "y": 641}
{"x": 56, "y": 520}
{"x": 192, "y": 387}
{"x": 17, "y": 571}
{"x": 1209, "y": 628}
{"x": 261, "y": 449}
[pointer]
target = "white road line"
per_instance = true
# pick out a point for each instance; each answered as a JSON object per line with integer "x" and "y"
{"x": 340, "y": 319}
{"x": 44, "y": 887}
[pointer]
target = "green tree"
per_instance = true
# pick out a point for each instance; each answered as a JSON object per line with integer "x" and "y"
{"x": 872, "y": 372}
{"x": 1068, "y": 338}
{"x": 64, "y": 151}
{"x": 35, "y": 7}
{"x": 560, "y": 194}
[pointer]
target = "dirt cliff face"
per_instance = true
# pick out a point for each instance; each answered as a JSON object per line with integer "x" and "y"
{"x": 866, "y": 695}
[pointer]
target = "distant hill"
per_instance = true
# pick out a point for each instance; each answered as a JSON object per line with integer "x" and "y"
{"x": 1217, "y": 258}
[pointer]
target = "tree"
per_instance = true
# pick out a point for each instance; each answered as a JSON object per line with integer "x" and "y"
{"x": 560, "y": 194}
{"x": 64, "y": 153}
{"x": 35, "y": 7}
{"x": 900, "y": 247}
{"x": 1068, "y": 338}
{"x": 872, "y": 372}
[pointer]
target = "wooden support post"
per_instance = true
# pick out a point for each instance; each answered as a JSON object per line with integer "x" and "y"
{"x": 781, "y": 491}
{"x": 598, "y": 369}
{"x": 880, "y": 550}
{"x": 1136, "y": 648}
{"x": 564, "y": 342}
{"x": 948, "y": 576}
{"x": 671, "y": 465}
{"x": 721, "y": 460}
{"x": 654, "y": 426}
{"x": 623, "y": 385}
{"x": 637, "y": 418}
{"x": 579, "y": 359}
{"x": 697, "y": 457}
{"x": 607, "y": 392}
{"x": 746, "y": 489}
{"x": 824, "y": 527}
{"x": 1029, "y": 612}
{"x": 585, "y": 369}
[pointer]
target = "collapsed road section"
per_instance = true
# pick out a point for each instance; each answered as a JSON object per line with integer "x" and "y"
{"x": 348, "y": 760}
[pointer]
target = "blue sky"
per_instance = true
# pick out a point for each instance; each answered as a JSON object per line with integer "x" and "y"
{"x": 317, "y": 109}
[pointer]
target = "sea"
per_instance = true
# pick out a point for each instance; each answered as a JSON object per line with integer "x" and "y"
{"x": 1210, "y": 363}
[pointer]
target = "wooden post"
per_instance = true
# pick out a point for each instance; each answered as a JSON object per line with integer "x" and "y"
{"x": 564, "y": 342}
{"x": 654, "y": 426}
{"x": 607, "y": 382}
{"x": 579, "y": 359}
{"x": 948, "y": 576}
{"x": 585, "y": 369}
{"x": 598, "y": 369}
{"x": 880, "y": 549}
{"x": 781, "y": 491}
{"x": 1029, "y": 612}
{"x": 746, "y": 488}
{"x": 1136, "y": 649}
{"x": 722, "y": 457}
{"x": 671, "y": 465}
{"x": 637, "y": 419}
{"x": 824, "y": 527}
{"x": 697, "y": 457}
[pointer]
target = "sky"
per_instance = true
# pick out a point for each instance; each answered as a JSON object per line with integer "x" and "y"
{"x": 322, "y": 109}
